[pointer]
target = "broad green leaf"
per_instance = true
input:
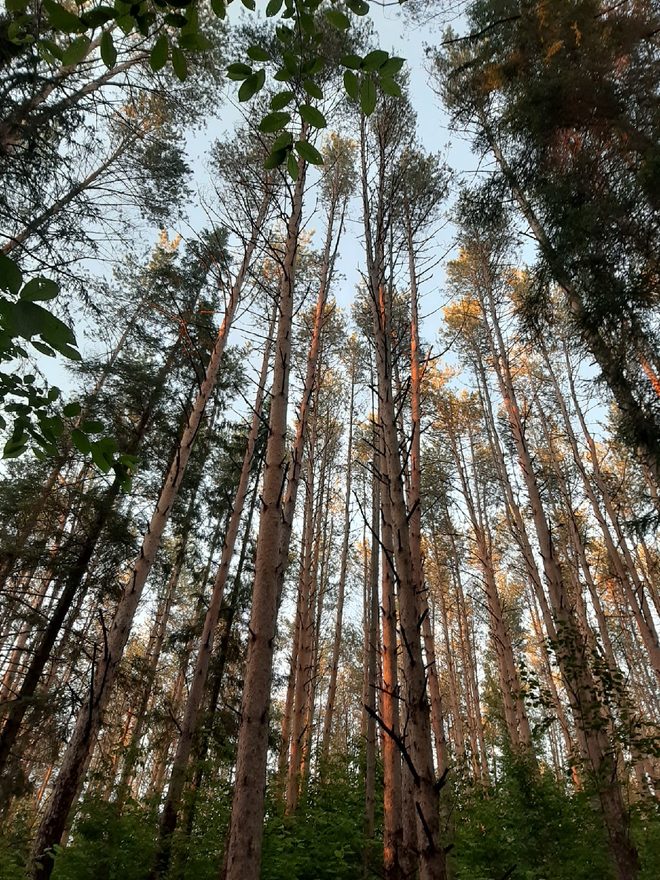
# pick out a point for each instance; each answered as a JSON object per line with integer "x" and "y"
{"x": 81, "y": 441}
{"x": 159, "y": 52}
{"x": 252, "y": 85}
{"x": 11, "y": 276}
{"x": 15, "y": 446}
{"x": 92, "y": 427}
{"x": 179, "y": 63}
{"x": 390, "y": 87}
{"x": 368, "y": 96}
{"x": 258, "y": 53}
{"x": 337, "y": 18}
{"x": 292, "y": 166}
{"x": 283, "y": 140}
{"x": 218, "y": 6}
{"x": 313, "y": 115}
{"x": 373, "y": 60}
{"x": 99, "y": 16}
{"x": 352, "y": 61}
{"x": 62, "y": 19}
{"x": 273, "y": 7}
{"x": 307, "y": 23}
{"x": 309, "y": 153}
{"x": 281, "y": 100}
{"x": 274, "y": 122}
{"x": 312, "y": 89}
{"x": 108, "y": 51}
{"x": 239, "y": 71}
{"x": 351, "y": 84}
{"x": 76, "y": 51}
{"x": 40, "y": 289}
{"x": 176, "y": 19}
{"x": 43, "y": 348}
{"x": 275, "y": 159}
{"x": 50, "y": 51}
{"x": 71, "y": 410}
{"x": 249, "y": 4}
{"x": 68, "y": 351}
{"x": 392, "y": 66}
{"x": 195, "y": 42}
{"x": 359, "y": 7}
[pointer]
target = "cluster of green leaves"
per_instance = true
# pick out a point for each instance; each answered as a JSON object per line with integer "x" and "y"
{"x": 298, "y": 59}
{"x": 69, "y": 37}
{"x": 27, "y": 404}
{"x": 23, "y": 321}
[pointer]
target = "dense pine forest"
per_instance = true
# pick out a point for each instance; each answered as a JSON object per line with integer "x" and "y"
{"x": 330, "y": 387}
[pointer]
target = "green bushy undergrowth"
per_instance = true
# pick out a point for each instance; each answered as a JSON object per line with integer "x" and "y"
{"x": 525, "y": 828}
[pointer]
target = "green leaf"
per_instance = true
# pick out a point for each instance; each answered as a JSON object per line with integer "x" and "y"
{"x": 374, "y": 60}
{"x": 218, "y": 6}
{"x": 306, "y": 21}
{"x": 71, "y": 410}
{"x": 351, "y": 84}
{"x": 292, "y": 166}
{"x": 249, "y": 4}
{"x": 313, "y": 115}
{"x": 283, "y": 140}
{"x": 309, "y": 153}
{"x": 239, "y": 71}
{"x": 62, "y": 19}
{"x": 275, "y": 159}
{"x": 179, "y": 64}
{"x": 392, "y": 66}
{"x": 359, "y": 7}
{"x": 352, "y": 61}
{"x": 252, "y": 85}
{"x": 273, "y": 7}
{"x": 368, "y": 96}
{"x": 15, "y": 446}
{"x": 50, "y": 51}
{"x": 281, "y": 100}
{"x": 338, "y": 19}
{"x": 44, "y": 349}
{"x": 159, "y": 52}
{"x": 76, "y": 51}
{"x": 40, "y": 289}
{"x": 30, "y": 320}
{"x": 99, "y": 16}
{"x": 175, "y": 19}
{"x": 274, "y": 122}
{"x": 390, "y": 87}
{"x": 11, "y": 276}
{"x": 17, "y": 5}
{"x": 195, "y": 42}
{"x": 92, "y": 427}
{"x": 81, "y": 441}
{"x": 312, "y": 89}
{"x": 108, "y": 51}
{"x": 258, "y": 53}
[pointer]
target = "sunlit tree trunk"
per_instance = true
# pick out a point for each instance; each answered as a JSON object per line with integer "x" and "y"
{"x": 89, "y": 718}
{"x": 243, "y": 852}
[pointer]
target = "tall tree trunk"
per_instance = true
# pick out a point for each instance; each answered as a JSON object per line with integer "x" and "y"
{"x": 243, "y": 852}
{"x": 191, "y": 716}
{"x": 588, "y": 711}
{"x": 89, "y": 717}
{"x": 336, "y": 646}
